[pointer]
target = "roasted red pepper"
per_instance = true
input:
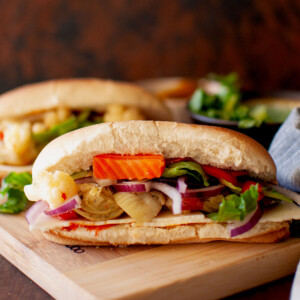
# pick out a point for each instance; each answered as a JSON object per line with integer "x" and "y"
{"x": 68, "y": 215}
{"x": 246, "y": 186}
{"x": 220, "y": 174}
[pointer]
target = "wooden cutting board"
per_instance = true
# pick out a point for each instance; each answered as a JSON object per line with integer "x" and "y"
{"x": 206, "y": 271}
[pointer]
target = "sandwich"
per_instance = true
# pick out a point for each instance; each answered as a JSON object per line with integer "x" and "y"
{"x": 32, "y": 115}
{"x": 151, "y": 182}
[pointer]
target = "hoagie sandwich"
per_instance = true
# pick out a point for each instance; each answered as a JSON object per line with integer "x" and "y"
{"x": 146, "y": 182}
{"x": 33, "y": 115}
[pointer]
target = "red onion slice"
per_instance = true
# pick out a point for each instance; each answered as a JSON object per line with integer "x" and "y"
{"x": 250, "y": 221}
{"x": 181, "y": 185}
{"x": 89, "y": 179}
{"x": 35, "y": 210}
{"x": 73, "y": 202}
{"x": 170, "y": 192}
{"x": 204, "y": 192}
{"x": 132, "y": 186}
{"x": 288, "y": 193}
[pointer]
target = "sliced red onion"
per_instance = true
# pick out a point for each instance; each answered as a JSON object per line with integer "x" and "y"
{"x": 170, "y": 192}
{"x": 132, "y": 186}
{"x": 89, "y": 179}
{"x": 181, "y": 185}
{"x": 35, "y": 210}
{"x": 288, "y": 193}
{"x": 105, "y": 182}
{"x": 205, "y": 192}
{"x": 73, "y": 202}
{"x": 248, "y": 223}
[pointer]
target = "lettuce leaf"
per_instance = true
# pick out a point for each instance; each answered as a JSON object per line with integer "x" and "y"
{"x": 186, "y": 168}
{"x": 13, "y": 190}
{"x": 236, "y": 207}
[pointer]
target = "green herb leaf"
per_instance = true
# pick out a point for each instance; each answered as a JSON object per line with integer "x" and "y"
{"x": 197, "y": 100}
{"x": 237, "y": 207}
{"x": 186, "y": 168}
{"x": 13, "y": 190}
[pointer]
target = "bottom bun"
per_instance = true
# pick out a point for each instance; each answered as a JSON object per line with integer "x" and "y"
{"x": 125, "y": 235}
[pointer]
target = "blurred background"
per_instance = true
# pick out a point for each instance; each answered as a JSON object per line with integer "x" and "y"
{"x": 133, "y": 39}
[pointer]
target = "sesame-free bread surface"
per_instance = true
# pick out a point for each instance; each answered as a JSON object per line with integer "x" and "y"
{"x": 207, "y": 145}
{"x": 183, "y": 234}
{"x": 79, "y": 93}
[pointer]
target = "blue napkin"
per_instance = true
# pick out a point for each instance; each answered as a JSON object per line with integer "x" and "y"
{"x": 285, "y": 150}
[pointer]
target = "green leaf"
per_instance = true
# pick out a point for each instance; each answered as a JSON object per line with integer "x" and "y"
{"x": 237, "y": 207}
{"x": 271, "y": 193}
{"x": 186, "y": 168}
{"x": 259, "y": 113}
{"x": 248, "y": 123}
{"x": 17, "y": 180}
{"x": 197, "y": 101}
{"x": 234, "y": 188}
{"x": 68, "y": 125}
{"x": 13, "y": 190}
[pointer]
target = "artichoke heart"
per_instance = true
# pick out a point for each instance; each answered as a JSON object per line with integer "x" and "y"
{"x": 212, "y": 204}
{"x": 142, "y": 207}
{"x": 97, "y": 204}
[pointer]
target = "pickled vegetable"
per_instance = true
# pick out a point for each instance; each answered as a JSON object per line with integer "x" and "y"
{"x": 97, "y": 203}
{"x": 142, "y": 207}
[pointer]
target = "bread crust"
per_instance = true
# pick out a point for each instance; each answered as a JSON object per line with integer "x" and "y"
{"x": 207, "y": 145}
{"x": 6, "y": 169}
{"x": 125, "y": 235}
{"x": 79, "y": 93}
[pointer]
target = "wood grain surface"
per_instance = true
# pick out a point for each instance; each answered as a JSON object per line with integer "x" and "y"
{"x": 133, "y": 39}
{"x": 16, "y": 285}
{"x": 212, "y": 270}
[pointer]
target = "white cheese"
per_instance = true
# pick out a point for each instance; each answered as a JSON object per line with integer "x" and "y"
{"x": 280, "y": 213}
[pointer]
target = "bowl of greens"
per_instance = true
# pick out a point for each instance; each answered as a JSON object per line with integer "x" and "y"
{"x": 220, "y": 102}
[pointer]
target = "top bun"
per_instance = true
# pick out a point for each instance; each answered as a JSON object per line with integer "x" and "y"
{"x": 208, "y": 145}
{"x": 79, "y": 93}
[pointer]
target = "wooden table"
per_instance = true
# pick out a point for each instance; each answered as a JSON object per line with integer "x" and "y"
{"x": 15, "y": 285}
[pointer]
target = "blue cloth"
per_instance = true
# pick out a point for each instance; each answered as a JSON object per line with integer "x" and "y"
{"x": 285, "y": 150}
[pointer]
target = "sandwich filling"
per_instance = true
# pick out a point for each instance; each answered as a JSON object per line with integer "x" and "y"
{"x": 146, "y": 188}
{"x": 22, "y": 139}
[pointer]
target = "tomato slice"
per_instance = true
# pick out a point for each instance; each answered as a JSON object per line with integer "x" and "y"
{"x": 141, "y": 166}
{"x": 220, "y": 174}
{"x": 239, "y": 173}
{"x": 191, "y": 203}
{"x": 68, "y": 215}
{"x": 246, "y": 186}
{"x": 1, "y": 136}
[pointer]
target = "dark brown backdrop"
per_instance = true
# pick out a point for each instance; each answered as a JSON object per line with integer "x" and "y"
{"x": 134, "y": 39}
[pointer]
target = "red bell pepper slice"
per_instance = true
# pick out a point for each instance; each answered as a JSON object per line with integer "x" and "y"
{"x": 246, "y": 186}
{"x": 191, "y": 203}
{"x": 68, "y": 215}
{"x": 220, "y": 174}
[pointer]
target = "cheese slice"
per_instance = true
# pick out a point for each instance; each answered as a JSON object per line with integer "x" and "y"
{"x": 281, "y": 212}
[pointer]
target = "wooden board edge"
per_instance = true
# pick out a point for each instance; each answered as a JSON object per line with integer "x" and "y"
{"x": 38, "y": 270}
